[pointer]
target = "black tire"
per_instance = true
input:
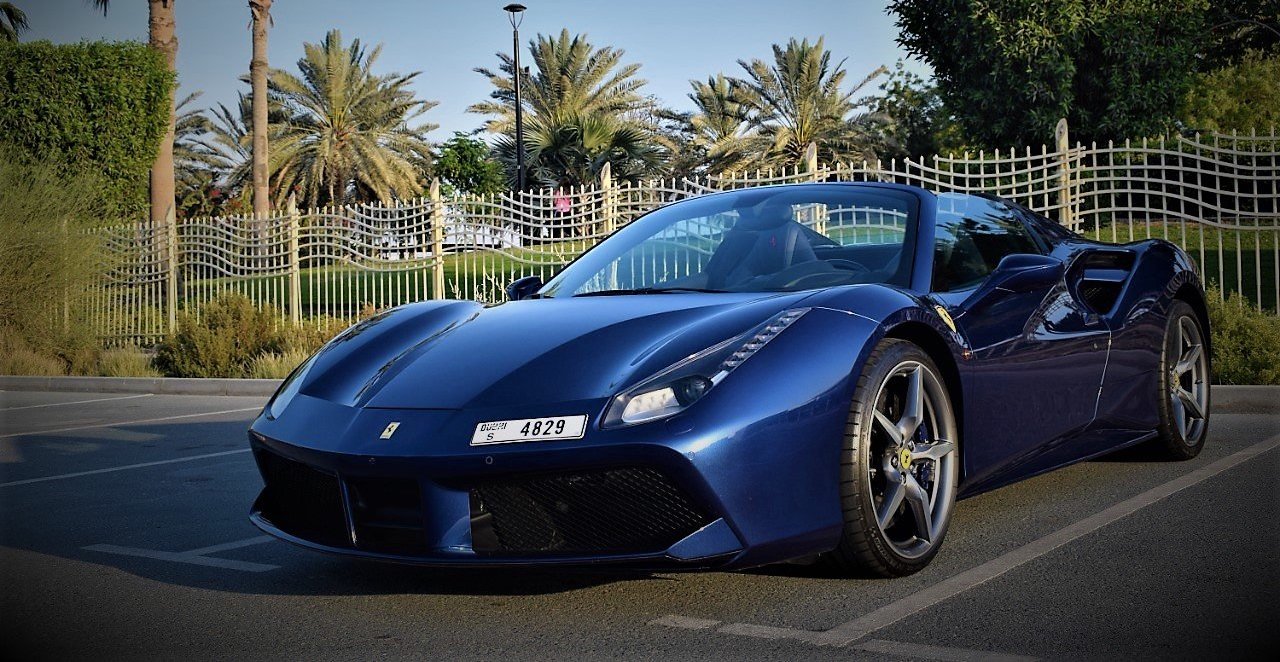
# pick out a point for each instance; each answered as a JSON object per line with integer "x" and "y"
{"x": 1175, "y": 441}
{"x": 864, "y": 548}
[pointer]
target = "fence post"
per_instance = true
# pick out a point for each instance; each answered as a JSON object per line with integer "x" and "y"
{"x": 295, "y": 269}
{"x": 171, "y": 268}
{"x": 608, "y": 221}
{"x": 1062, "y": 139}
{"x": 811, "y": 161}
{"x": 437, "y": 241}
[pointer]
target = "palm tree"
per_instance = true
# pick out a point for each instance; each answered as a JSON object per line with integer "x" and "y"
{"x": 261, "y": 10}
{"x": 162, "y": 36}
{"x": 13, "y": 21}
{"x": 720, "y": 130}
{"x": 198, "y": 162}
{"x": 798, "y": 100}
{"x": 347, "y": 132}
{"x": 229, "y": 134}
{"x": 584, "y": 109}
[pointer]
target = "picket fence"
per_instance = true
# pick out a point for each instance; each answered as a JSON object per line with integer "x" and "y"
{"x": 1218, "y": 196}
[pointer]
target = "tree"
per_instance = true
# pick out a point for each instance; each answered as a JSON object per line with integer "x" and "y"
{"x": 1242, "y": 97}
{"x": 13, "y": 21}
{"x": 198, "y": 164}
{"x": 1009, "y": 69}
{"x": 798, "y": 100}
{"x": 162, "y": 36}
{"x": 261, "y": 11}
{"x": 467, "y": 165}
{"x": 915, "y": 121}
{"x": 583, "y": 109}
{"x": 347, "y": 132}
{"x": 720, "y": 129}
{"x": 1238, "y": 27}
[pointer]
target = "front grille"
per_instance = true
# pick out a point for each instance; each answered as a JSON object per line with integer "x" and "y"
{"x": 630, "y": 510}
{"x": 302, "y": 501}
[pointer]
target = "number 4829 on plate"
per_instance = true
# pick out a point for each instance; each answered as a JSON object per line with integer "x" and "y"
{"x": 529, "y": 429}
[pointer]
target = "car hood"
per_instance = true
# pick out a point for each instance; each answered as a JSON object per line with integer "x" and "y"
{"x": 456, "y": 355}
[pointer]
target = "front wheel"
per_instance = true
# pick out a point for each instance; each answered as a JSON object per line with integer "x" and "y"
{"x": 1184, "y": 385}
{"x": 900, "y": 465}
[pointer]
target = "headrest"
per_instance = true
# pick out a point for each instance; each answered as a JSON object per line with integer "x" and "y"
{"x": 767, "y": 215}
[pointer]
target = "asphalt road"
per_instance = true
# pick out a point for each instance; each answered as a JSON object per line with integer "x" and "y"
{"x": 123, "y": 534}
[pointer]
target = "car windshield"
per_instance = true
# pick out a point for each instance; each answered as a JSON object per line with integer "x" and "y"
{"x": 772, "y": 239}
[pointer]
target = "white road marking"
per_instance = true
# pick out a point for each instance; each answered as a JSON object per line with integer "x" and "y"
{"x": 859, "y": 628}
{"x": 195, "y": 556}
{"x": 77, "y": 402}
{"x": 124, "y": 423}
{"x": 925, "y": 652}
{"x": 686, "y": 622}
{"x": 237, "y": 544}
{"x": 126, "y": 467}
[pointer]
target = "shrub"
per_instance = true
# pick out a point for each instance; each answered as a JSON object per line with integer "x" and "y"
{"x": 128, "y": 361}
{"x": 48, "y": 258}
{"x": 18, "y": 358}
{"x": 222, "y": 340}
{"x": 99, "y": 107}
{"x": 1246, "y": 341}
{"x": 277, "y": 365}
{"x": 313, "y": 333}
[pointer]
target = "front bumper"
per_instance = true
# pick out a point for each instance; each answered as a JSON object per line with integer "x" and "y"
{"x": 748, "y": 476}
{"x": 392, "y": 511}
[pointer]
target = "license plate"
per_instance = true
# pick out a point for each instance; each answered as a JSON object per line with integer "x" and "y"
{"x": 530, "y": 429}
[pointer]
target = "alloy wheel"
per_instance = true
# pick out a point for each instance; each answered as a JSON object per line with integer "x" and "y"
{"x": 912, "y": 455}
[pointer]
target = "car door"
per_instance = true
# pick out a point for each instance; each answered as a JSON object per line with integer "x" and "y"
{"x": 1032, "y": 376}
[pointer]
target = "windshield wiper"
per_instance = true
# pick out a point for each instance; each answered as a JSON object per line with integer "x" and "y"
{"x": 649, "y": 290}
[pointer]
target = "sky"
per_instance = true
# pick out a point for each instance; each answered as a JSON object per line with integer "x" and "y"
{"x": 673, "y": 40}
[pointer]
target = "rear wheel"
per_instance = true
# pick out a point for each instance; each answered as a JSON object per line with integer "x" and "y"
{"x": 899, "y": 465}
{"x": 1184, "y": 385}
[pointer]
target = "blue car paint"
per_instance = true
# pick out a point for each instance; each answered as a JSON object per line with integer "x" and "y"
{"x": 1042, "y": 386}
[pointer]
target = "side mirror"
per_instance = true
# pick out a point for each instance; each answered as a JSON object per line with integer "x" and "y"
{"x": 1018, "y": 272}
{"x": 523, "y": 288}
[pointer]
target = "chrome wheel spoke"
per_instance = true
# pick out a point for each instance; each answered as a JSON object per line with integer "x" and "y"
{"x": 921, "y": 508}
{"x": 1189, "y": 360}
{"x": 934, "y": 451}
{"x": 890, "y": 428}
{"x": 913, "y": 405}
{"x": 1180, "y": 415}
{"x": 893, "y": 495}
{"x": 1189, "y": 402}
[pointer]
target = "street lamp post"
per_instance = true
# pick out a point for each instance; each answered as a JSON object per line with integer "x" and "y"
{"x": 515, "y": 11}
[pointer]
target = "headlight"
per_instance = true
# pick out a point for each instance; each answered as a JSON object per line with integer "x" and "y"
{"x": 674, "y": 388}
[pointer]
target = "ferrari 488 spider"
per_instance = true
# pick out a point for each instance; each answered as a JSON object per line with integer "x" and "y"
{"x": 750, "y": 377}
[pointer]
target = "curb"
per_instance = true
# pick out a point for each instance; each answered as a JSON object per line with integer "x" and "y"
{"x": 156, "y": 385}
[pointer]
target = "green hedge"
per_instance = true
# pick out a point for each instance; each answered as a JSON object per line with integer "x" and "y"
{"x": 101, "y": 107}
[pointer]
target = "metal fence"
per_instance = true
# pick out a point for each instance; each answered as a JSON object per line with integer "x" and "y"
{"x": 1216, "y": 196}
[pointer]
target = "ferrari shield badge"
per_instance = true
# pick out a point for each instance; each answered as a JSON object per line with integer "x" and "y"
{"x": 390, "y": 430}
{"x": 946, "y": 317}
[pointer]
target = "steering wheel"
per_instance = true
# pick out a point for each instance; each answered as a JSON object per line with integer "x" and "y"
{"x": 849, "y": 265}
{"x": 839, "y": 263}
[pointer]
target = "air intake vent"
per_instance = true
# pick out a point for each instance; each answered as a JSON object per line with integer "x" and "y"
{"x": 632, "y": 510}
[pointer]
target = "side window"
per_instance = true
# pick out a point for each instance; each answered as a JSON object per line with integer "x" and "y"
{"x": 972, "y": 236}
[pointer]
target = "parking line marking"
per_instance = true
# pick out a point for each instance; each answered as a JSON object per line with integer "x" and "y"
{"x": 685, "y": 622}
{"x": 894, "y": 612}
{"x": 126, "y": 467}
{"x": 237, "y": 544}
{"x": 77, "y": 402}
{"x": 846, "y": 634}
{"x": 926, "y": 652}
{"x": 125, "y": 423}
{"x": 183, "y": 557}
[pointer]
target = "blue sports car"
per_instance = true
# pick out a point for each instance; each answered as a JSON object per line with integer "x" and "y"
{"x": 763, "y": 375}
